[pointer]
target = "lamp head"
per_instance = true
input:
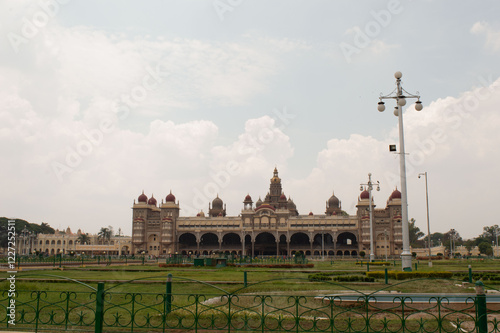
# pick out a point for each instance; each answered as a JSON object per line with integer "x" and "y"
{"x": 398, "y": 75}
{"x": 381, "y": 106}
{"x": 396, "y": 111}
{"x": 418, "y": 105}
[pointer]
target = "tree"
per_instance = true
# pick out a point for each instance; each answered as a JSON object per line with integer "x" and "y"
{"x": 469, "y": 245}
{"x": 19, "y": 226}
{"x": 415, "y": 234}
{"x": 452, "y": 237}
{"x": 104, "y": 234}
{"x": 485, "y": 248}
{"x": 489, "y": 233}
{"x": 436, "y": 238}
{"x": 83, "y": 239}
{"x": 46, "y": 229}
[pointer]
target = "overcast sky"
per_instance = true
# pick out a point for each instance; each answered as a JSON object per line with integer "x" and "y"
{"x": 102, "y": 100}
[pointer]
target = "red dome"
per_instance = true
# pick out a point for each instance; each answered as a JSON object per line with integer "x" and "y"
{"x": 395, "y": 194}
{"x": 311, "y": 213}
{"x": 152, "y": 201}
{"x": 170, "y": 197}
{"x": 248, "y": 198}
{"x": 142, "y": 198}
{"x": 364, "y": 195}
{"x": 283, "y": 197}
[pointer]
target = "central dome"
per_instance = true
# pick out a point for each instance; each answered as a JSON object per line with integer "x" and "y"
{"x": 217, "y": 203}
{"x": 333, "y": 202}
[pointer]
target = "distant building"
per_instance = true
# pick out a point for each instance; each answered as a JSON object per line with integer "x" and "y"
{"x": 66, "y": 242}
{"x": 269, "y": 227}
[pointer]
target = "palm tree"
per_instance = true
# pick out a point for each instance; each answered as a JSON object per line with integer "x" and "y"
{"x": 83, "y": 239}
{"x": 105, "y": 234}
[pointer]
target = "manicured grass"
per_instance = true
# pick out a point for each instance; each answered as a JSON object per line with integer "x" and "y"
{"x": 288, "y": 289}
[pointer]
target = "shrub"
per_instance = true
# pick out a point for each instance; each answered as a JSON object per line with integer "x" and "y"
{"x": 175, "y": 265}
{"x": 375, "y": 263}
{"x": 410, "y": 275}
{"x": 354, "y": 278}
{"x": 319, "y": 277}
{"x": 273, "y": 265}
{"x": 339, "y": 278}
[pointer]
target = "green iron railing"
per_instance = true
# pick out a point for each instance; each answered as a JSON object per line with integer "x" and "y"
{"x": 59, "y": 261}
{"x": 108, "y": 310}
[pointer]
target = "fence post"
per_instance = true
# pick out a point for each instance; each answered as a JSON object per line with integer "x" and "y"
{"x": 416, "y": 266}
{"x": 168, "y": 305}
{"x": 470, "y": 274}
{"x": 60, "y": 261}
{"x": 481, "y": 314}
{"x": 143, "y": 259}
{"x": 244, "y": 279}
{"x": 367, "y": 266}
{"x": 386, "y": 276}
{"x": 99, "y": 307}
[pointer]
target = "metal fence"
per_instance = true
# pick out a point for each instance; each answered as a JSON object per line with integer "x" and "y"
{"x": 107, "y": 310}
{"x": 59, "y": 261}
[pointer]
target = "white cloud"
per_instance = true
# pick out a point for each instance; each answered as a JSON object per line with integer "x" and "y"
{"x": 448, "y": 138}
{"x": 492, "y": 36}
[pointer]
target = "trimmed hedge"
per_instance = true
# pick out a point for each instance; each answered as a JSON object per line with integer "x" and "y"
{"x": 339, "y": 278}
{"x": 375, "y": 263}
{"x": 409, "y": 275}
{"x": 483, "y": 276}
{"x": 427, "y": 258}
{"x": 175, "y": 265}
{"x": 273, "y": 265}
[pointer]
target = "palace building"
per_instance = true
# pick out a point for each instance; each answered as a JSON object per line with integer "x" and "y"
{"x": 269, "y": 227}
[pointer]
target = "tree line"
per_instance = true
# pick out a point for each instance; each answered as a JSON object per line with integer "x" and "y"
{"x": 452, "y": 238}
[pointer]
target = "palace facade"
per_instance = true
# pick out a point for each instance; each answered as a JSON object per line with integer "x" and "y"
{"x": 269, "y": 227}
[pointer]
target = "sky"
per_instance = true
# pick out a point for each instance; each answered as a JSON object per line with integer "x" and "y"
{"x": 100, "y": 101}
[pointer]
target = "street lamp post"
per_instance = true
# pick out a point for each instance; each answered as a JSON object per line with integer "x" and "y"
{"x": 370, "y": 188}
{"x": 323, "y": 244}
{"x": 400, "y": 98}
{"x": 386, "y": 237}
{"x": 452, "y": 241}
{"x": 497, "y": 232}
{"x": 428, "y": 223}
